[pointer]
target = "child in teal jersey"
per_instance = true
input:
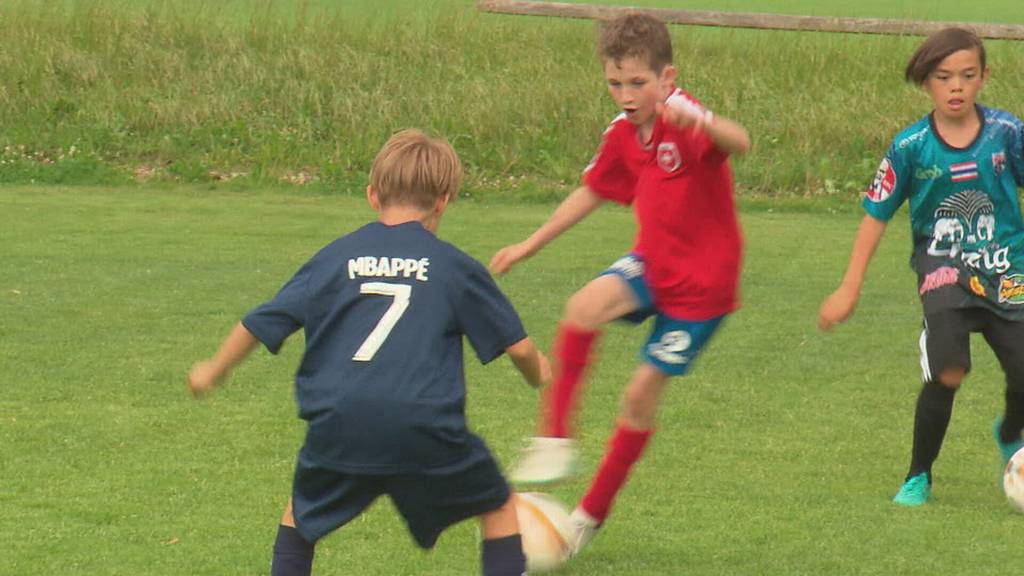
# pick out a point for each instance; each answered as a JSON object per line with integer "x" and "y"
{"x": 959, "y": 167}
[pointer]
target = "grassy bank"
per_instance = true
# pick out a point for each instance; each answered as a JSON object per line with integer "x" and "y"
{"x": 258, "y": 92}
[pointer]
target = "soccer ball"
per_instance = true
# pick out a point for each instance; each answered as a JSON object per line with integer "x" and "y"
{"x": 1013, "y": 480}
{"x": 546, "y": 531}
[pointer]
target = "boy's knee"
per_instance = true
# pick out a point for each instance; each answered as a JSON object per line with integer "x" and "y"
{"x": 582, "y": 311}
{"x": 638, "y": 407}
{"x": 952, "y": 377}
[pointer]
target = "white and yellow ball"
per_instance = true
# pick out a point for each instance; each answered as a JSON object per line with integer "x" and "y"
{"x": 546, "y": 531}
{"x": 1013, "y": 480}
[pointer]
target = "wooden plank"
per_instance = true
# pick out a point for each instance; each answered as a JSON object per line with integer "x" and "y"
{"x": 750, "y": 19}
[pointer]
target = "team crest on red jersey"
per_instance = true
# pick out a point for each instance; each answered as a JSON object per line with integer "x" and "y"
{"x": 668, "y": 157}
{"x": 884, "y": 184}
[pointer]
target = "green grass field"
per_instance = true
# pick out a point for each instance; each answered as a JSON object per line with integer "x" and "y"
{"x": 151, "y": 155}
{"x": 778, "y": 456}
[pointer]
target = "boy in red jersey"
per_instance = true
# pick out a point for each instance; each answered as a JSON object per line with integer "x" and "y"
{"x": 667, "y": 156}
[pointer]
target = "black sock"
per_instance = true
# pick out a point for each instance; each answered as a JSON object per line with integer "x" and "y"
{"x": 934, "y": 407}
{"x": 504, "y": 556}
{"x": 1013, "y": 422}
{"x": 293, "y": 556}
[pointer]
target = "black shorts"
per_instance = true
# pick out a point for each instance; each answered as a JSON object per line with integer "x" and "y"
{"x": 945, "y": 341}
{"x": 324, "y": 500}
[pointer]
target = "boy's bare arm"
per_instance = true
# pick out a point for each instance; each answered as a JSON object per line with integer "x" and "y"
{"x": 728, "y": 135}
{"x": 840, "y": 304}
{"x": 530, "y": 362}
{"x": 207, "y": 374}
{"x": 574, "y": 208}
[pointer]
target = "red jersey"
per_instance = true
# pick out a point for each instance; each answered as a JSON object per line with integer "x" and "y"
{"x": 680, "y": 186}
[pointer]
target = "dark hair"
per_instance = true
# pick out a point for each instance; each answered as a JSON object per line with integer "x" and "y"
{"x": 636, "y": 35}
{"x": 937, "y": 47}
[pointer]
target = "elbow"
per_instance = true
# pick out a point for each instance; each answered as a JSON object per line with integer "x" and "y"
{"x": 742, "y": 145}
{"x": 746, "y": 146}
{"x": 521, "y": 350}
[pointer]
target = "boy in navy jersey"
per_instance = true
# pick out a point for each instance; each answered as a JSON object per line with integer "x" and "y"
{"x": 959, "y": 167}
{"x": 381, "y": 382}
{"x": 668, "y": 157}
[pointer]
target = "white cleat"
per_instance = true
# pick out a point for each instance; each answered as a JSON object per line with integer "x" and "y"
{"x": 546, "y": 460}
{"x": 584, "y": 529}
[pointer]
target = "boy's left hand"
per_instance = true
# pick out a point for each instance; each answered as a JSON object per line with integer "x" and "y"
{"x": 837, "y": 308}
{"x": 507, "y": 257}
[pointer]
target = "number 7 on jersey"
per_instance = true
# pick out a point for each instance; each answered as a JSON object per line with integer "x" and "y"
{"x": 373, "y": 342}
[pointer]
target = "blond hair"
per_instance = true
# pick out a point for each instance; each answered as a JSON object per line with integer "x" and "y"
{"x": 636, "y": 35}
{"x": 415, "y": 169}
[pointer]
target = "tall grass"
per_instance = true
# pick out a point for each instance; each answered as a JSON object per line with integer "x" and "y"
{"x": 96, "y": 91}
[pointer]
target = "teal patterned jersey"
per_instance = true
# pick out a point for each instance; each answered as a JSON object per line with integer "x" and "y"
{"x": 965, "y": 215}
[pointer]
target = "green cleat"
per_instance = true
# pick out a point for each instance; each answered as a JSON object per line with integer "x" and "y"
{"x": 1006, "y": 449}
{"x": 915, "y": 491}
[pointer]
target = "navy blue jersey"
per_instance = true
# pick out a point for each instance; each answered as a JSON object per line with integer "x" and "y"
{"x": 381, "y": 382}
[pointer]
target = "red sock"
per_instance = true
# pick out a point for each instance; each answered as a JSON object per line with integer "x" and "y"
{"x": 572, "y": 355}
{"x": 624, "y": 449}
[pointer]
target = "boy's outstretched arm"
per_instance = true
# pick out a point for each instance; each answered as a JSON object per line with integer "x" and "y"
{"x": 207, "y": 374}
{"x": 840, "y": 304}
{"x": 728, "y": 135}
{"x": 574, "y": 208}
{"x": 530, "y": 362}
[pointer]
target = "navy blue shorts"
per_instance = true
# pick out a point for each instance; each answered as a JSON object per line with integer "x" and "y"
{"x": 324, "y": 500}
{"x": 674, "y": 343}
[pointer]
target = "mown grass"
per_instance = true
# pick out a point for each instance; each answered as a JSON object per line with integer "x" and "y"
{"x": 256, "y": 92}
{"x": 777, "y": 456}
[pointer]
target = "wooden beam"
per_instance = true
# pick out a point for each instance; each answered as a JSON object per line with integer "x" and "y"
{"x": 751, "y": 20}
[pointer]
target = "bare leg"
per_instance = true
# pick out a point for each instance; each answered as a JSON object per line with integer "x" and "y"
{"x": 635, "y": 426}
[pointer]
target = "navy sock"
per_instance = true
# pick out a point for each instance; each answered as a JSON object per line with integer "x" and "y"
{"x": 934, "y": 408}
{"x": 504, "y": 556}
{"x": 293, "y": 556}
